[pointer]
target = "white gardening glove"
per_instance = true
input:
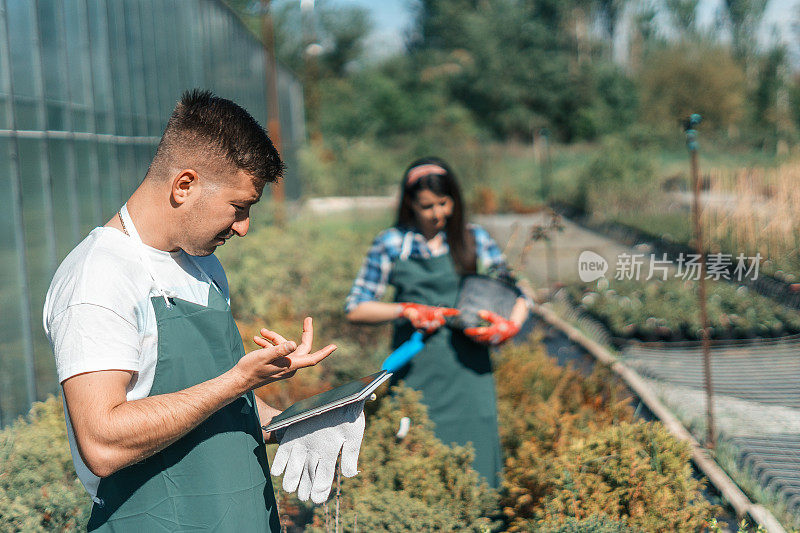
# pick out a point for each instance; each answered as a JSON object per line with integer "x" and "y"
{"x": 308, "y": 451}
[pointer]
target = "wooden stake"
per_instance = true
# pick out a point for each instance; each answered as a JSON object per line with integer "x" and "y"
{"x": 273, "y": 107}
{"x": 691, "y": 143}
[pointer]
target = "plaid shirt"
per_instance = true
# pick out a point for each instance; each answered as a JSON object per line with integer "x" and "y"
{"x": 370, "y": 284}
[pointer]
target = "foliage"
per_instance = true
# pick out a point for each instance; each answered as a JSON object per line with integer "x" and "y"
{"x": 617, "y": 179}
{"x": 514, "y": 72}
{"x": 592, "y": 524}
{"x": 415, "y": 484}
{"x": 687, "y": 78}
{"x": 683, "y": 14}
{"x": 637, "y": 472}
{"x": 771, "y": 115}
{"x": 539, "y": 400}
{"x": 744, "y": 16}
{"x": 576, "y": 459}
{"x": 39, "y": 490}
{"x": 667, "y": 310}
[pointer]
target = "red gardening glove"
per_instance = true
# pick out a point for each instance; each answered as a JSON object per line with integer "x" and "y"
{"x": 426, "y": 317}
{"x": 499, "y": 332}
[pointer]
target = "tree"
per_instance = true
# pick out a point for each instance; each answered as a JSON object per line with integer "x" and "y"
{"x": 683, "y": 15}
{"x": 517, "y": 64}
{"x": 744, "y": 17}
{"x": 692, "y": 78}
{"x": 770, "y": 98}
{"x": 609, "y": 13}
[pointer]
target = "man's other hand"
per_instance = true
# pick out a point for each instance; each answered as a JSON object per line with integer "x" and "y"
{"x": 279, "y": 358}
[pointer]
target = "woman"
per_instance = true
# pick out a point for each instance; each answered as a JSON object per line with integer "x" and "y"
{"x": 424, "y": 256}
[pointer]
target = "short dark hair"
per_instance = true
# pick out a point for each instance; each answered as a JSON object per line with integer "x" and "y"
{"x": 205, "y": 123}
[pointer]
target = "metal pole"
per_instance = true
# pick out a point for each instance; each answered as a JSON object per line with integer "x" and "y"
{"x": 273, "y": 107}
{"x": 156, "y": 80}
{"x": 16, "y": 205}
{"x": 88, "y": 95}
{"x": 125, "y": 95}
{"x": 101, "y": 183}
{"x": 71, "y": 163}
{"x": 41, "y": 119}
{"x": 111, "y": 111}
{"x": 310, "y": 53}
{"x": 690, "y": 126}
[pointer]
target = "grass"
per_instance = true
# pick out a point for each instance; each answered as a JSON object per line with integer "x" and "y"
{"x": 759, "y": 214}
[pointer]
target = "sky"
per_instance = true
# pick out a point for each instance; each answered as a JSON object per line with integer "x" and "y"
{"x": 391, "y": 18}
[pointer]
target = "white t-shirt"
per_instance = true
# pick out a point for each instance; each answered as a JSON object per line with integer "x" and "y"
{"x": 98, "y": 314}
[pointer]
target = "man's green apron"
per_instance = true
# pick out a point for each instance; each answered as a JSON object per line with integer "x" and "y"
{"x": 216, "y": 477}
{"x": 453, "y": 372}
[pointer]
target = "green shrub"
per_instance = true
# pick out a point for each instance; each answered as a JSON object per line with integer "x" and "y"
{"x": 637, "y": 472}
{"x": 686, "y": 78}
{"x": 617, "y": 179}
{"x": 39, "y": 490}
{"x": 593, "y": 524}
{"x": 417, "y": 484}
{"x": 668, "y": 310}
{"x": 542, "y": 401}
{"x": 576, "y": 460}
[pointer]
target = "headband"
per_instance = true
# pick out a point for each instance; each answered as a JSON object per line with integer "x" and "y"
{"x": 423, "y": 170}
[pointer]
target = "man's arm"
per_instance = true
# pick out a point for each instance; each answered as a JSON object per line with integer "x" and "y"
{"x": 112, "y": 433}
{"x": 266, "y": 413}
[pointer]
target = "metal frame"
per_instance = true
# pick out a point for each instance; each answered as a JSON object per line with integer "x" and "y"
{"x": 16, "y": 191}
{"x": 124, "y": 53}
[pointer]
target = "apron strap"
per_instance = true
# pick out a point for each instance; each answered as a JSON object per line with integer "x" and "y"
{"x": 134, "y": 234}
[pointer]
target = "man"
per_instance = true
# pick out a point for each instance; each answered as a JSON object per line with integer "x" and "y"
{"x": 164, "y": 428}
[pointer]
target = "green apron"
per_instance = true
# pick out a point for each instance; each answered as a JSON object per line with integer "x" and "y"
{"x": 216, "y": 477}
{"x": 453, "y": 372}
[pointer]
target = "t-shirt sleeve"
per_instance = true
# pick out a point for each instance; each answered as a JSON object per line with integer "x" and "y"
{"x": 89, "y": 338}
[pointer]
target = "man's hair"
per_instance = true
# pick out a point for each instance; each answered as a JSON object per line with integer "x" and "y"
{"x": 203, "y": 127}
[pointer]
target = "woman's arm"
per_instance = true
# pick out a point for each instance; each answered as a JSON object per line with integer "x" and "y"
{"x": 374, "y": 312}
{"x": 519, "y": 314}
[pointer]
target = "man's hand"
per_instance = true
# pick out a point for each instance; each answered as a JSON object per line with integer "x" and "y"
{"x": 426, "y": 317}
{"x": 279, "y": 358}
{"x": 308, "y": 451}
{"x": 500, "y": 330}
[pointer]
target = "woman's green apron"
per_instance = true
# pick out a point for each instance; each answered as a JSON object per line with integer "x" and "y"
{"x": 214, "y": 478}
{"x": 453, "y": 372}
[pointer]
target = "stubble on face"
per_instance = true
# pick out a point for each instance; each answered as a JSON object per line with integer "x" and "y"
{"x": 209, "y": 222}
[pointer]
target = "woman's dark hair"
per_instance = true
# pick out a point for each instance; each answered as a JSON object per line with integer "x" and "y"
{"x": 459, "y": 239}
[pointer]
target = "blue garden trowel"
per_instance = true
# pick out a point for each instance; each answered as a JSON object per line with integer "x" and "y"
{"x": 404, "y": 353}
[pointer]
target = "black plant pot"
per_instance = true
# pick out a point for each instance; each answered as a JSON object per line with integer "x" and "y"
{"x": 483, "y": 292}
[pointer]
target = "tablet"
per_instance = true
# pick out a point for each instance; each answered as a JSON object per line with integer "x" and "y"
{"x": 352, "y": 392}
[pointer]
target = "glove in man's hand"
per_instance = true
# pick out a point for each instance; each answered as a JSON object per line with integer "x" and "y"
{"x": 308, "y": 451}
{"x": 500, "y": 330}
{"x": 426, "y": 317}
